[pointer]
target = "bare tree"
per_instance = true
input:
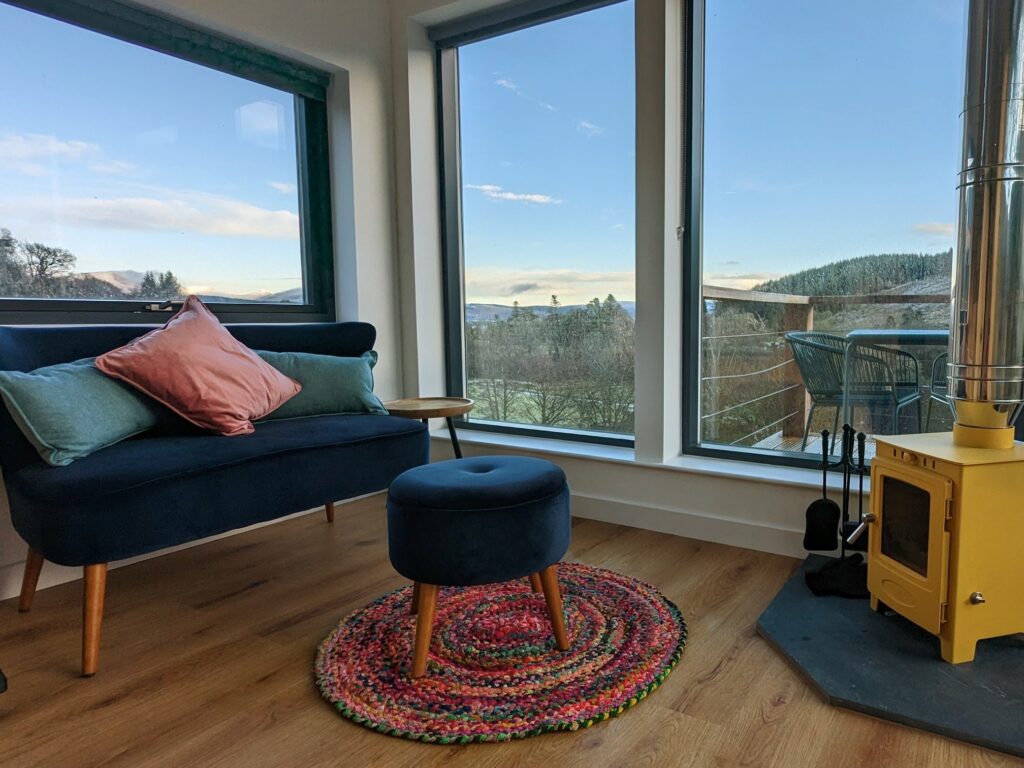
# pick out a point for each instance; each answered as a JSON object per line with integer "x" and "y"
{"x": 45, "y": 265}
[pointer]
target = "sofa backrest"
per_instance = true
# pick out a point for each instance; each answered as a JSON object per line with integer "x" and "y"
{"x": 25, "y": 348}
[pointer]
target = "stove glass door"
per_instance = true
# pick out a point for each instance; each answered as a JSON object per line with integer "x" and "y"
{"x": 908, "y": 544}
{"x": 906, "y": 514}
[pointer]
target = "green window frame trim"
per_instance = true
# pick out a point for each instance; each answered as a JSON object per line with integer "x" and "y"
{"x": 309, "y": 85}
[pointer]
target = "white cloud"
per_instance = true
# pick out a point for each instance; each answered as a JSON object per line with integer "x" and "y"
{"x": 284, "y": 187}
{"x": 31, "y": 153}
{"x": 935, "y": 228}
{"x": 499, "y": 285}
{"x": 587, "y": 127}
{"x": 35, "y": 154}
{"x": 192, "y": 212}
{"x": 743, "y": 282}
{"x": 509, "y": 85}
{"x": 113, "y": 166}
{"x": 495, "y": 192}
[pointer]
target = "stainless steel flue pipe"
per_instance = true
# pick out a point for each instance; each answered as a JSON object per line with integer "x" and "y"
{"x": 986, "y": 360}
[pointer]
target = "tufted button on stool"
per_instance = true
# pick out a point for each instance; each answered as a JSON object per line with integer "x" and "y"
{"x": 478, "y": 521}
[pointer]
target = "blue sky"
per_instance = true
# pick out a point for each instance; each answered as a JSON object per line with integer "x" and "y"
{"x": 548, "y": 126}
{"x": 136, "y": 160}
{"x": 832, "y": 131}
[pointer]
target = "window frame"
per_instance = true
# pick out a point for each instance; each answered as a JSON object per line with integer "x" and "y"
{"x": 308, "y": 86}
{"x": 693, "y": 257}
{"x": 447, "y": 39}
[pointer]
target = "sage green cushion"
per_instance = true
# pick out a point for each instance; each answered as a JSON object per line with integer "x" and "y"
{"x": 331, "y": 386}
{"x": 70, "y": 410}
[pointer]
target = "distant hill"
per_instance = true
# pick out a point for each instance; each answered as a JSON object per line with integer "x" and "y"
{"x": 128, "y": 281}
{"x": 478, "y": 313}
{"x": 880, "y": 273}
{"x": 291, "y": 296}
{"x": 125, "y": 280}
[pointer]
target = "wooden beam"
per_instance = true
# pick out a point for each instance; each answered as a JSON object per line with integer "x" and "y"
{"x": 735, "y": 294}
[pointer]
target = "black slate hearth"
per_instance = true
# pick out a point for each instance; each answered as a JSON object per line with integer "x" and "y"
{"x": 885, "y": 666}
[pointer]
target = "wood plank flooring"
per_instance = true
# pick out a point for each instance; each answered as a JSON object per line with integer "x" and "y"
{"x": 207, "y": 655}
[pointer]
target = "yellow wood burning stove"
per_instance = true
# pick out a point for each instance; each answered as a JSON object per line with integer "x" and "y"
{"x": 946, "y": 538}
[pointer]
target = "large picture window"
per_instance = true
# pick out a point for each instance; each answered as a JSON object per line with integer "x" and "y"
{"x": 828, "y": 197}
{"x": 539, "y": 192}
{"x": 130, "y": 178}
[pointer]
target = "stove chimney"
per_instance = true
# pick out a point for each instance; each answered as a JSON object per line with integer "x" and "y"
{"x": 986, "y": 346}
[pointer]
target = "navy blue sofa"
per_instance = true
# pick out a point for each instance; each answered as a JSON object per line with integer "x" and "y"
{"x": 177, "y": 483}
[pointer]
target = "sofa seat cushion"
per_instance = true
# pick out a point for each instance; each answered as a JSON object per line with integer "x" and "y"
{"x": 152, "y": 492}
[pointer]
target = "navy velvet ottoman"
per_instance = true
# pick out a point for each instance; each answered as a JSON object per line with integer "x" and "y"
{"x": 478, "y": 521}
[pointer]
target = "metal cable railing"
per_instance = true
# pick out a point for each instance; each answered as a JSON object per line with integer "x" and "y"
{"x": 766, "y": 426}
{"x": 752, "y": 400}
{"x": 744, "y": 375}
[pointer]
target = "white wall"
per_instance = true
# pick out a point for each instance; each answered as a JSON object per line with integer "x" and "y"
{"x": 388, "y": 252}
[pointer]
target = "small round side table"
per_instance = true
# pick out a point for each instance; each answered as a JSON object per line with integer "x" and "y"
{"x": 426, "y": 408}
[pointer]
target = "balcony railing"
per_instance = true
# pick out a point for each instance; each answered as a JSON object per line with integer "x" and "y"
{"x": 752, "y": 392}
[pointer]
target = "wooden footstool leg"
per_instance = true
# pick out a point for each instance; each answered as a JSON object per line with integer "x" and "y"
{"x": 427, "y": 605}
{"x": 535, "y": 584}
{"x": 553, "y": 597}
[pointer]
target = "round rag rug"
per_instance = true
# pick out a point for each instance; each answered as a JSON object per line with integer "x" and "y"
{"x": 494, "y": 673}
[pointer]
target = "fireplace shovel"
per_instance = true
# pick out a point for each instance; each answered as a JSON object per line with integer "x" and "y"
{"x": 822, "y": 528}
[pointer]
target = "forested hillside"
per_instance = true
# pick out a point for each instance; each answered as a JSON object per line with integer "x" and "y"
{"x": 864, "y": 275}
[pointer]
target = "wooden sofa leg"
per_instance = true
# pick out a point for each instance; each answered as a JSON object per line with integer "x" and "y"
{"x": 424, "y": 627}
{"x": 329, "y": 508}
{"x": 33, "y": 565}
{"x": 553, "y": 597}
{"x": 414, "y": 604}
{"x": 92, "y": 616}
{"x": 535, "y": 584}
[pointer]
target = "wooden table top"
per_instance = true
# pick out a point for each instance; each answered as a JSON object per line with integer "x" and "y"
{"x": 429, "y": 407}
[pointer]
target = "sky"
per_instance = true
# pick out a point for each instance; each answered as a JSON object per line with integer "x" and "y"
{"x": 134, "y": 160}
{"x": 832, "y": 131}
{"x": 548, "y": 157}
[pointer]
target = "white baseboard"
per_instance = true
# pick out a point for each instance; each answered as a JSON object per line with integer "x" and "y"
{"x": 731, "y": 531}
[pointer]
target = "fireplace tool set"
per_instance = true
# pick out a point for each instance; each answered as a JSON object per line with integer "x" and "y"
{"x": 831, "y": 526}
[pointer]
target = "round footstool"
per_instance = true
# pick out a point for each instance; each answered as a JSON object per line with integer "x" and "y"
{"x": 478, "y": 521}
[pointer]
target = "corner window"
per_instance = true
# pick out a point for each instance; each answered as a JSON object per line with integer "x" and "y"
{"x": 827, "y": 204}
{"x": 130, "y": 177}
{"x": 539, "y": 190}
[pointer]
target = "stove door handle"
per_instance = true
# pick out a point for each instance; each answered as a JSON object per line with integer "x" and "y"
{"x": 859, "y": 530}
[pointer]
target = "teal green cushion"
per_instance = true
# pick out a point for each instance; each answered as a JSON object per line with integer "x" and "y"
{"x": 70, "y": 410}
{"x": 331, "y": 386}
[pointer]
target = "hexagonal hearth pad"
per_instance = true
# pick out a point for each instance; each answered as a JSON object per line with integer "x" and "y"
{"x": 885, "y": 666}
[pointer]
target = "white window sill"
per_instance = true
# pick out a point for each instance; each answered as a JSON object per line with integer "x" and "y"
{"x": 797, "y": 477}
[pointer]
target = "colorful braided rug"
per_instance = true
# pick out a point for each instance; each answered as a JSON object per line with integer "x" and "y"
{"x": 494, "y": 673}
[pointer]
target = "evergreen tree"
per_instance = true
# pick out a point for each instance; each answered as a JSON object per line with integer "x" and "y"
{"x": 169, "y": 287}
{"x": 149, "y": 288}
{"x": 11, "y": 273}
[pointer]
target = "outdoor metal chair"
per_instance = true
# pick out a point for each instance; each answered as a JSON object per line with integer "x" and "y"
{"x": 938, "y": 388}
{"x": 877, "y": 376}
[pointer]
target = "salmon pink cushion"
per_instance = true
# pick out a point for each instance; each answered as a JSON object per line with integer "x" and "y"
{"x": 195, "y": 367}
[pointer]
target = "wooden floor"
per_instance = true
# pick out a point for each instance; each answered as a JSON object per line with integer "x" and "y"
{"x": 207, "y": 657}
